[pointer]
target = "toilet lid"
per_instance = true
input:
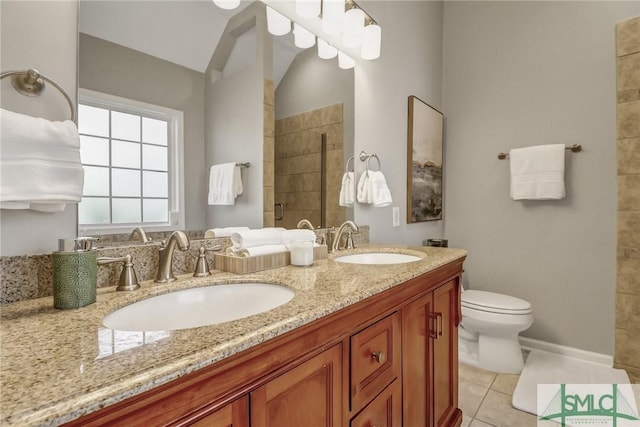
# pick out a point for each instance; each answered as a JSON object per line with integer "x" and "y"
{"x": 497, "y": 303}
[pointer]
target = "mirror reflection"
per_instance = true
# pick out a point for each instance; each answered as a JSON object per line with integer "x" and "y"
{"x": 168, "y": 54}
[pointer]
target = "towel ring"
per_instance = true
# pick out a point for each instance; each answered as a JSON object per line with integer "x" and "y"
{"x": 375, "y": 156}
{"x": 31, "y": 83}
{"x": 352, "y": 160}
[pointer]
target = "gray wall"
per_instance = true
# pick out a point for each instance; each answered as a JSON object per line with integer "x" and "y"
{"x": 410, "y": 64}
{"x": 527, "y": 73}
{"x": 110, "y": 68}
{"x": 41, "y": 35}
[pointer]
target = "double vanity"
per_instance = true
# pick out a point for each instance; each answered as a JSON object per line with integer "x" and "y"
{"x": 367, "y": 337}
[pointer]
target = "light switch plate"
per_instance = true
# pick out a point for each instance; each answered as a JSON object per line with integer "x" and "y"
{"x": 396, "y": 216}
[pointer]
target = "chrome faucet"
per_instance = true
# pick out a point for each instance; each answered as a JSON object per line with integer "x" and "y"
{"x": 139, "y": 232}
{"x": 165, "y": 263}
{"x": 305, "y": 223}
{"x": 351, "y": 227}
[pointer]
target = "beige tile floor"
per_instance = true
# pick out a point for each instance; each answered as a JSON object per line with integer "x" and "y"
{"x": 485, "y": 400}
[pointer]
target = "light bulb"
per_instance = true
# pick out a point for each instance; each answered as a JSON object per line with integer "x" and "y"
{"x": 302, "y": 37}
{"x": 227, "y": 4}
{"x": 308, "y": 8}
{"x": 353, "y": 27}
{"x": 332, "y": 16}
{"x": 371, "y": 41}
{"x": 277, "y": 23}
{"x": 325, "y": 50}
{"x": 345, "y": 61}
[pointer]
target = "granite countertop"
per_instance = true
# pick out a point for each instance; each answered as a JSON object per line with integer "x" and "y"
{"x": 56, "y": 365}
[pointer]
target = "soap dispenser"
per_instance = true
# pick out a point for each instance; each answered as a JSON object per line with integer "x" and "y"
{"x": 75, "y": 273}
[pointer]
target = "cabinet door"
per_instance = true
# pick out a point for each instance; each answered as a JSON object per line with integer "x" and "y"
{"x": 309, "y": 395}
{"x": 445, "y": 353}
{"x": 235, "y": 414}
{"x": 384, "y": 411}
{"x": 417, "y": 360}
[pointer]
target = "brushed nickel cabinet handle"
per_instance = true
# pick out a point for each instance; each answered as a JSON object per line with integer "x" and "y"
{"x": 379, "y": 356}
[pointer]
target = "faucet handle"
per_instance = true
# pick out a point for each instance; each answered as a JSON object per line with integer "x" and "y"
{"x": 202, "y": 266}
{"x": 128, "y": 280}
{"x": 349, "y": 244}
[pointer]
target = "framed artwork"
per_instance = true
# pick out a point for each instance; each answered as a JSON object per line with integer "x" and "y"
{"x": 424, "y": 162}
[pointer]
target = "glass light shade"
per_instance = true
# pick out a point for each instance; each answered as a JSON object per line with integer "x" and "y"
{"x": 345, "y": 61}
{"x": 277, "y": 23}
{"x": 227, "y": 4}
{"x": 371, "y": 41}
{"x": 325, "y": 50}
{"x": 332, "y": 16}
{"x": 308, "y": 8}
{"x": 302, "y": 37}
{"x": 353, "y": 27}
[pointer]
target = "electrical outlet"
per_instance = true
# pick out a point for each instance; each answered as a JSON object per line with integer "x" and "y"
{"x": 396, "y": 216}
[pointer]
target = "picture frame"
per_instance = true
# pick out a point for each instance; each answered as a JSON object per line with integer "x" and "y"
{"x": 424, "y": 162}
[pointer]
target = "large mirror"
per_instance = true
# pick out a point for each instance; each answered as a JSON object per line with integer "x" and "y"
{"x": 161, "y": 53}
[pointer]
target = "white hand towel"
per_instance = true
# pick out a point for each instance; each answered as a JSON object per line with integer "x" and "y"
{"x": 298, "y": 236}
{"x": 364, "y": 189}
{"x": 213, "y": 233}
{"x": 225, "y": 184}
{"x": 258, "y": 250}
{"x": 347, "y": 190}
{"x": 537, "y": 173}
{"x": 40, "y": 165}
{"x": 260, "y": 237}
{"x": 380, "y": 194}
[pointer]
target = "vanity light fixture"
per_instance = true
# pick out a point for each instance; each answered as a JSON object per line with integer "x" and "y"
{"x": 325, "y": 50}
{"x": 371, "y": 42}
{"x": 277, "y": 23}
{"x": 345, "y": 61}
{"x": 302, "y": 37}
{"x": 227, "y": 4}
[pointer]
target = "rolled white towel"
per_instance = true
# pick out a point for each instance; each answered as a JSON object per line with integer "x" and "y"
{"x": 347, "y": 190}
{"x": 223, "y": 232}
{"x": 295, "y": 236}
{"x": 380, "y": 194}
{"x": 260, "y": 237}
{"x": 258, "y": 250}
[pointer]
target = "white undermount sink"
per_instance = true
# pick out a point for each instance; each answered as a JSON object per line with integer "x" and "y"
{"x": 377, "y": 258}
{"x": 191, "y": 308}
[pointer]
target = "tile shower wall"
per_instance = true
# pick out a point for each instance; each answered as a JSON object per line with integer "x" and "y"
{"x": 268, "y": 166}
{"x": 298, "y": 166}
{"x": 627, "y": 334}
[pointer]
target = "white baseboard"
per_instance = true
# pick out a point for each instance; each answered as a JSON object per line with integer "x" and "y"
{"x": 587, "y": 356}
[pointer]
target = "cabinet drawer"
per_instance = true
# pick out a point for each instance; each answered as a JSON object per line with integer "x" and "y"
{"x": 384, "y": 411}
{"x": 375, "y": 359}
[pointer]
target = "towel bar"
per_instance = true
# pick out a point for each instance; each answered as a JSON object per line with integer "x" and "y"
{"x": 244, "y": 165}
{"x": 31, "y": 83}
{"x": 575, "y": 148}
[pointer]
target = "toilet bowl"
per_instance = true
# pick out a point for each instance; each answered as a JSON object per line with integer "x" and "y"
{"x": 488, "y": 335}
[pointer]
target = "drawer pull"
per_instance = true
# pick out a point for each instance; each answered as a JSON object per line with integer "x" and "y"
{"x": 379, "y": 356}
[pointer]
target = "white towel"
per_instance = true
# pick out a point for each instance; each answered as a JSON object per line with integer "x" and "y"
{"x": 537, "y": 173}
{"x": 347, "y": 190}
{"x": 40, "y": 165}
{"x": 298, "y": 236}
{"x": 260, "y": 237}
{"x": 257, "y": 250}
{"x": 364, "y": 189}
{"x": 213, "y": 233}
{"x": 380, "y": 194}
{"x": 225, "y": 184}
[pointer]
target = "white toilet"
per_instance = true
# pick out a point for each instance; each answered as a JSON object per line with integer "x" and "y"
{"x": 489, "y": 331}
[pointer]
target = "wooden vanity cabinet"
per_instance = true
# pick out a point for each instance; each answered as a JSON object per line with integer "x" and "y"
{"x": 389, "y": 360}
{"x": 430, "y": 358}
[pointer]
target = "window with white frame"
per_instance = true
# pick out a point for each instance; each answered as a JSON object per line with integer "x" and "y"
{"x": 132, "y": 158}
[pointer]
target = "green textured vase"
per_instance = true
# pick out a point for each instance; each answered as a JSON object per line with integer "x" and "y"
{"x": 75, "y": 277}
